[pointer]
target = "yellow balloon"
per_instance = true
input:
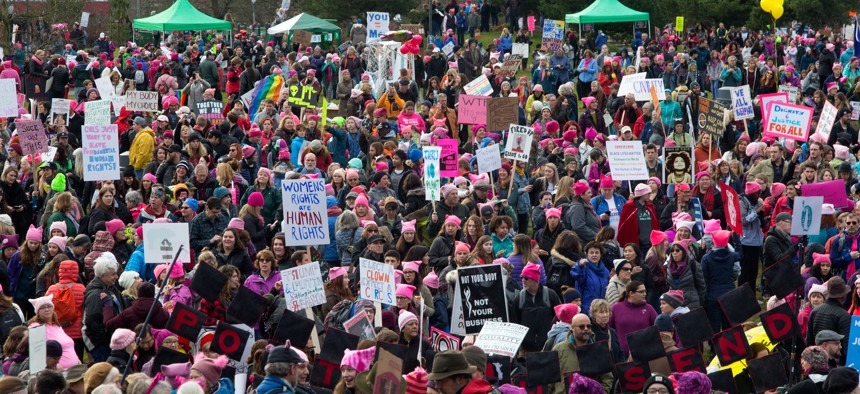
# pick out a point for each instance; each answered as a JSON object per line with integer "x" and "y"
{"x": 767, "y": 5}
{"x": 776, "y": 11}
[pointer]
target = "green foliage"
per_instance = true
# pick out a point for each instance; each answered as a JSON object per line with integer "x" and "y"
{"x": 336, "y": 10}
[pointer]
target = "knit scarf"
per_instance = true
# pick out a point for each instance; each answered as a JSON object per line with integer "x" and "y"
{"x": 677, "y": 268}
{"x": 707, "y": 197}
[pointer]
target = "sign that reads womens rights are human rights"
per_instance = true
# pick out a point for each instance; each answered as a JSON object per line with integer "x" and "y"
{"x": 305, "y": 218}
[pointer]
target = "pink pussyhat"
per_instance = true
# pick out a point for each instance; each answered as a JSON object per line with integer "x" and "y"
{"x": 359, "y": 360}
{"x": 408, "y": 226}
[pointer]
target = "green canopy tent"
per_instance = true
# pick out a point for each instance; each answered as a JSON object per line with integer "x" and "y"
{"x": 306, "y": 22}
{"x": 607, "y": 11}
{"x": 181, "y": 16}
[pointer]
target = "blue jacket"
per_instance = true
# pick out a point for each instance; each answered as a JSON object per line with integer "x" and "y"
{"x": 590, "y": 72}
{"x": 505, "y": 44}
{"x": 563, "y": 72}
{"x": 137, "y": 264}
{"x": 337, "y": 145}
{"x": 840, "y": 252}
{"x": 330, "y": 252}
{"x": 296, "y": 150}
{"x": 601, "y": 206}
{"x": 591, "y": 281}
{"x": 274, "y": 384}
{"x": 752, "y": 225}
{"x": 352, "y": 144}
{"x": 718, "y": 272}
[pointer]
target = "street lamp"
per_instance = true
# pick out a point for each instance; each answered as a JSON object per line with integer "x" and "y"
{"x": 254, "y": 12}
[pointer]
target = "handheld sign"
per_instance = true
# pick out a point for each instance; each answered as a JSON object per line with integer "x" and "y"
{"x": 377, "y": 281}
{"x": 97, "y": 112}
{"x": 501, "y": 338}
{"x": 806, "y": 217}
{"x": 732, "y": 208}
{"x": 31, "y": 133}
{"x": 59, "y": 115}
{"x": 472, "y": 109}
{"x": 101, "y": 153}
{"x": 449, "y": 160}
{"x": 483, "y": 296}
{"x": 8, "y": 98}
{"x": 141, "y": 101}
{"x": 161, "y": 240}
{"x": 826, "y": 120}
{"x": 792, "y": 91}
{"x": 766, "y": 99}
{"x": 432, "y": 177}
{"x": 501, "y": 112}
{"x": 303, "y": 286}
{"x": 742, "y": 103}
{"x": 519, "y": 145}
{"x": 627, "y": 160}
{"x": 305, "y": 218}
{"x": 480, "y": 86}
{"x": 211, "y": 110}
{"x": 443, "y": 341}
{"x": 853, "y": 356}
{"x": 553, "y": 34}
{"x": 711, "y": 118}
{"x": 489, "y": 158}
{"x": 788, "y": 121}
{"x": 38, "y": 348}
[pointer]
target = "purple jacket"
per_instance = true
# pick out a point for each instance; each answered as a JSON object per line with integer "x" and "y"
{"x": 180, "y": 294}
{"x": 627, "y": 318}
{"x": 261, "y": 286}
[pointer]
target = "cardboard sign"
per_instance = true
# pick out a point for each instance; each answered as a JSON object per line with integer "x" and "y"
{"x": 377, "y": 281}
{"x": 162, "y": 240}
{"x": 780, "y": 324}
{"x": 853, "y": 354}
{"x": 211, "y": 110}
{"x": 826, "y": 120}
{"x": 472, "y": 109}
{"x": 501, "y": 338}
{"x": 855, "y": 110}
{"x": 388, "y": 373}
{"x": 97, "y": 112}
{"x": 520, "y": 49}
{"x": 742, "y": 103}
{"x": 686, "y": 360}
{"x": 766, "y": 99}
{"x": 632, "y": 376}
{"x": 626, "y": 85}
{"x": 360, "y": 325}
{"x": 8, "y": 98}
{"x": 31, "y": 134}
{"x": 732, "y": 209}
{"x": 229, "y": 341}
{"x": 553, "y": 35}
{"x": 432, "y": 156}
{"x": 519, "y": 145}
{"x": 710, "y": 119}
{"x": 788, "y": 121}
{"x": 832, "y": 191}
{"x": 303, "y": 96}
{"x": 482, "y": 289}
{"x": 627, "y": 160}
{"x": 678, "y": 167}
{"x": 731, "y": 345}
{"x": 141, "y": 101}
{"x": 59, "y": 115}
{"x": 449, "y": 161}
{"x": 792, "y": 91}
{"x": 510, "y": 67}
{"x": 303, "y": 286}
{"x": 377, "y": 25}
{"x": 443, "y": 341}
{"x": 479, "y": 86}
{"x": 305, "y": 218}
{"x": 641, "y": 87}
{"x": 101, "y": 154}
{"x": 186, "y": 321}
{"x": 38, "y": 348}
{"x": 501, "y": 112}
{"x": 806, "y": 216}
{"x": 489, "y": 158}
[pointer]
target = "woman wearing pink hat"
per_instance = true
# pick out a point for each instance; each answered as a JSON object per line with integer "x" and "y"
{"x": 336, "y": 289}
{"x": 683, "y": 272}
{"x": 442, "y": 249}
{"x": 709, "y": 196}
{"x": 412, "y": 277}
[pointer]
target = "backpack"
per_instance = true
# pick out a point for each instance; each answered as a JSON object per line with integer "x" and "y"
{"x": 558, "y": 274}
{"x": 341, "y": 312}
{"x": 566, "y": 222}
{"x": 64, "y": 304}
{"x": 139, "y": 77}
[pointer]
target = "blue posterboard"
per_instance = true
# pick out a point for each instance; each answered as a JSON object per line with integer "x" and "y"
{"x": 697, "y": 207}
{"x": 853, "y": 351}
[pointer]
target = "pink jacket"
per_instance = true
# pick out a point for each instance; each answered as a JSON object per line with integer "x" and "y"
{"x": 415, "y": 119}
{"x": 56, "y": 333}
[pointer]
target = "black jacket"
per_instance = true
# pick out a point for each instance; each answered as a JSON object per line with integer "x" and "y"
{"x": 95, "y": 332}
{"x": 777, "y": 246}
{"x": 830, "y": 316}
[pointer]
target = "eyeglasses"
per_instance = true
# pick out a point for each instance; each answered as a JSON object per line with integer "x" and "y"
{"x": 658, "y": 391}
{"x": 676, "y": 250}
{"x": 626, "y": 269}
{"x": 372, "y": 231}
{"x": 584, "y": 326}
{"x": 643, "y": 291}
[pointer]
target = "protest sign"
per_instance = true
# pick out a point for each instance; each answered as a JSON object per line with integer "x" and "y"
{"x": 38, "y": 347}
{"x": 792, "y": 92}
{"x": 31, "y": 134}
{"x": 711, "y": 117}
{"x": 627, "y": 83}
{"x": 627, "y": 160}
{"x": 344, "y": 47}
{"x": 511, "y": 65}
{"x": 101, "y": 152}
{"x": 449, "y": 159}
{"x": 388, "y": 377}
{"x": 230, "y": 340}
{"x": 766, "y": 99}
{"x": 432, "y": 156}
{"x": 162, "y": 240}
{"x": 732, "y": 208}
{"x": 472, "y": 109}
{"x": 186, "y": 321}
{"x": 448, "y": 49}
{"x": 8, "y": 98}
{"x": 553, "y": 35}
{"x": 679, "y": 23}
{"x": 305, "y": 218}
{"x": 377, "y": 25}
{"x": 49, "y": 156}
{"x": 641, "y": 87}
{"x": 697, "y": 213}
{"x": 458, "y": 325}
{"x": 303, "y": 96}
{"x": 141, "y": 100}
{"x": 211, "y": 110}
{"x": 479, "y": 86}
{"x": 520, "y": 49}
{"x": 832, "y": 191}
{"x": 360, "y": 325}
{"x": 377, "y": 281}
{"x": 482, "y": 290}
{"x": 742, "y": 103}
{"x": 107, "y": 92}
{"x": 826, "y": 120}
{"x": 59, "y": 115}
{"x": 501, "y": 338}
{"x": 501, "y": 112}
{"x": 85, "y": 19}
{"x": 855, "y": 110}
{"x": 97, "y": 112}
{"x": 489, "y": 158}
{"x": 443, "y": 341}
{"x": 303, "y": 286}
{"x": 806, "y": 215}
{"x": 519, "y": 144}
{"x": 788, "y": 121}
{"x": 853, "y": 356}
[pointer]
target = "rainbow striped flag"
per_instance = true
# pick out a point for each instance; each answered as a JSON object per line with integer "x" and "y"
{"x": 268, "y": 88}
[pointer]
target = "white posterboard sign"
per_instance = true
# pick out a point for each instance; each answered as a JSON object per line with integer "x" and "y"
{"x": 162, "y": 240}
{"x": 97, "y": 112}
{"x": 49, "y": 155}
{"x": 480, "y": 86}
{"x": 141, "y": 100}
{"x": 855, "y": 110}
{"x": 59, "y": 115}
{"x": 448, "y": 49}
{"x": 502, "y": 339}
{"x": 519, "y": 145}
{"x": 101, "y": 153}
{"x": 626, "y": 85}
{"x": 520, "y": 48}
{"x": 38, "y": 348}
{"x": 826, "y": 120}
{"x": 377, "y": 25}
{"x": 792, "y": 91}
{"x": 458, "y": 318}
{"x": 107, "y": 92}
{"x": 806, "y": 215}
{"x": 8, "y": 98}
{"x": 627, "y": 160}
{"x": 305, "y": 215}
{"x": 432, "y": 176}
{"x": 377, "y": 281}
{"x": 641, "y": 88}
{"x": 489, "y": 158}
{"x": 85, "y": 19}
{"x": 742, "y": 103}
{"x": 303, "y": 286}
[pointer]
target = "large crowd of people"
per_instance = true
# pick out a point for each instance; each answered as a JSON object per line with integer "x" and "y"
{"x": 586, "y": 259}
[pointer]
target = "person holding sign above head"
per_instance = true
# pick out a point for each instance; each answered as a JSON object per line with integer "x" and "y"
{"x": 638, "y": 218}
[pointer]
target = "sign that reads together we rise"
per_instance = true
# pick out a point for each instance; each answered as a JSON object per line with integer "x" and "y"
{"x": 305, "y": 218}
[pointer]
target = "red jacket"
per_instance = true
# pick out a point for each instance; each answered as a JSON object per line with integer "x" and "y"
{"x": 628, "y": 227}
{"x": 68, "y": 275}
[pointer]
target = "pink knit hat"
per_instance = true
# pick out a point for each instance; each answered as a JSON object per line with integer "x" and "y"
{"x": 414, "y": 266}
{"x": 112, "y": 226}
{"x": 404, "y": 291}
{"x": 587, "y": 101}
{"x": 776, "y": 189}
{"x": 34, "y": 234}
{"x": 405, "y": 317}
{"x": 818, "y": 258}
{"x": 177, "y": 271}
{"x": 565, "y": 312}
{"x": 711, "y": 226}
{"x": 606, "y": 182}
{"x": 531, "y": 271}
{"x": 641, "y": 190}
{"x": 121, "y": 338}
{"x": 407, "y": 226}
{"x": 461, "y": 247}
{"x": 751, "y": 187}
{"x": 236, "y": 223}
{"x": 657, "y": 237}
{"x": 38, "y": 303}
{"x": 431, "y": 280}
{"x": 59, "y": 241}
{"x": 256, "y": 199}
{"x": 453, "y": 219}
{"x": 362, "y": 200}
{"x": 336, "y": 272}
{"x": 579, "y": 188}
{"x": 553, "y": 213}
{"x": 150, "y": 177}
{"x": 61, "y": 225}
{"x": 721, "y": 238}
{"x": 358, "y": 360}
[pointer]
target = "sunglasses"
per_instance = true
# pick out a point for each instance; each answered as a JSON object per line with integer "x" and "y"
{"x": 584, "y": 326}
{"x": 627, "y": 269}
{"x": 850, "y": 223}
{"x": 265, "y": 260}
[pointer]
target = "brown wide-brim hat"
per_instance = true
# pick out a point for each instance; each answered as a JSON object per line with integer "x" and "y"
{"x": 449, "y": 363}
{"x": 836, "y": 288}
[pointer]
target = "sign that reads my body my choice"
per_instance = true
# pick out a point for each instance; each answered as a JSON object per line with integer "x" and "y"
{"x": 305, "y": 218}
